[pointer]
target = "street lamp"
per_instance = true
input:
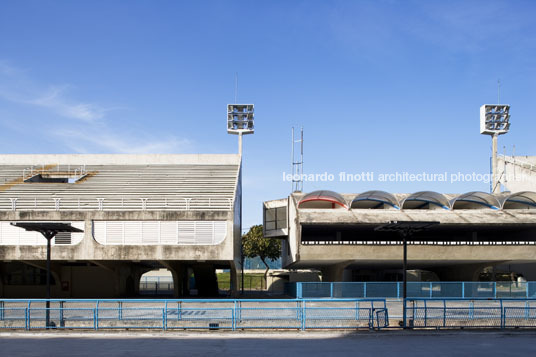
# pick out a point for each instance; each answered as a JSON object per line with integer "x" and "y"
{"x": 406, "y": 229}
{"x": 49, "y": 231}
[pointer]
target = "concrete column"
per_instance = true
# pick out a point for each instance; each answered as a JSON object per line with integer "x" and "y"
{"x": 234, "y": 279}
{"x": 179, "y": 272}
{"x": 334, "y": 272}
{"x": 2, "y": 280}
{"x": 206, "y": 280}
{"x": 494, "y": 174}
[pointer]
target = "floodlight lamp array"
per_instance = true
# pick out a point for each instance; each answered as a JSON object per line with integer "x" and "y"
{"x": 240, "y": 119}
{"x": 494, "y": 119}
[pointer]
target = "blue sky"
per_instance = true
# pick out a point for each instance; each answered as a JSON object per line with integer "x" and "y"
{"x": 381, "y": 86}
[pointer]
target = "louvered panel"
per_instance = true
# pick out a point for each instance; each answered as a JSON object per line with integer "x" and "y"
{"x": 204, "y": 232}
{"x": 151, "y": 234}
{"x": 30, "y": 238}
{"x": 133, "y": 232}
{"x": 114, "y": 232}
{"x": 168, "y": 232}
{"x": 99, "y": 231}
{"x": 186, "y": 232}
{"x": 220, "y": 231}
{"x": 62, "y": 238}
{"x": 10, "y": 234}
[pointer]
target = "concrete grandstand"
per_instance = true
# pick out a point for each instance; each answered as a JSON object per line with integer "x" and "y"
{"x": 138, "y": 213}
{"x": 336, "y": 233}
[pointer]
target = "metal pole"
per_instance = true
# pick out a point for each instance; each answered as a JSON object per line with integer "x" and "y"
{"x": 240, "y": 144}
{"x": 405, "y": 281}
{"x": 242, "y": 278}
{"x": 494, "y": 174}
{"x": 48, "y": 283}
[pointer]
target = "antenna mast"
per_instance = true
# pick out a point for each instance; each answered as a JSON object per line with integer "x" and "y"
{"x": 297, "y": 162}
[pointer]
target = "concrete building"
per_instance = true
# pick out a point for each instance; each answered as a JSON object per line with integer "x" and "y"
{"x": 517, "y": 173}
{"x": 334, "y": 232}
{"x": 138, "y": 213}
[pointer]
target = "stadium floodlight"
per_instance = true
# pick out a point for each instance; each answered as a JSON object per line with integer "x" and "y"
{"x": 240, "y": 121}
{"x": 494, "y": 121}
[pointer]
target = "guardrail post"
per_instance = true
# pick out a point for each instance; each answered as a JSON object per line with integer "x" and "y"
{"x": 303, "y": 317}
{"x": 425, "y": 315}
{"x": 444, "y": 313}
{"x": 357, "y": 310}
{"x": 179, "y": 310}
{"x": 1, "y": 310}
{"x": 365, "y": 290}
{"x": 495, "y": 290}
{"x": 164, "y": 319}
{"x": 29, "y": 315}
{"x": 97, "y": 315}
{"x": 299, "y": 292}
{"x": 430, "y": 290}
{"x": 463, "y": 289}
{"x": 471, "y": 309}
{"x": 503, "y": 316}
{"x": 397, "y": 290}
{"x": 120, "y": 310}
{"x": 239, "y": 312}
{"x": 165, "y": 316}
{"x": 331, "y": 290}
{"x": 233, "y": 318}
{"x": 62, "y": 321}
{"x": 527, "y": 289}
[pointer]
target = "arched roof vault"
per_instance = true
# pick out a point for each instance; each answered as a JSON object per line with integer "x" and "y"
{"x": 375, "y": 199}
{"x": 322, "y": 199}
{"x": 425, "y": 200}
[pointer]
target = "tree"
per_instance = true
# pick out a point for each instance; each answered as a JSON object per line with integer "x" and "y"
{"x": 254, "y": 244}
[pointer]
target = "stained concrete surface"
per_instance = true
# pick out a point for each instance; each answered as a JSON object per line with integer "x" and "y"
{"x": 385, "y": 343}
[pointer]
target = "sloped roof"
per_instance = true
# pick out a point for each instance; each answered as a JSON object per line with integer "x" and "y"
{"x": 119, "y": 182}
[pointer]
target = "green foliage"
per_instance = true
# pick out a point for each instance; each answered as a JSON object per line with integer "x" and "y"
{"x": 254, "y": 244}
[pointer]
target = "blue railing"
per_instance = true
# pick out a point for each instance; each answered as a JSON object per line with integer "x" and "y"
{"x": 301, "y": 314}
{"x": 476, "y": 313}
{"x": 454, "y": 290}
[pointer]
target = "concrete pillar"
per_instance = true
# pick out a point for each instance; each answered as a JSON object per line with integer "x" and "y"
{"x": 234, "y": 279}
{"x": 206, "y": 280}
{"x": 179, "y": 272}
{"x": 2, "y": 280}
{"x": 334, "y": 272}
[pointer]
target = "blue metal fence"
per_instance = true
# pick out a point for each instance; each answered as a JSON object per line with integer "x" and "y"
{"x": 301, "y": 314}
{"x": 475, "y": 313}
{"x": 459, "y": 290}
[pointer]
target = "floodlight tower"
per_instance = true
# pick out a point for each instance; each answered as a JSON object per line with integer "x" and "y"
{"x": 494, "y": 121}
{"x": 240, "y": 121}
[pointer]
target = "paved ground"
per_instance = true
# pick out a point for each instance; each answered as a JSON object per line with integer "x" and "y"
{"x": 384, "y": 343}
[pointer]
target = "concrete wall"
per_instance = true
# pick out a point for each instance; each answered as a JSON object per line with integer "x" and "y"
{"x": 450, "y": 262}
{"x": 89, "y": 249}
